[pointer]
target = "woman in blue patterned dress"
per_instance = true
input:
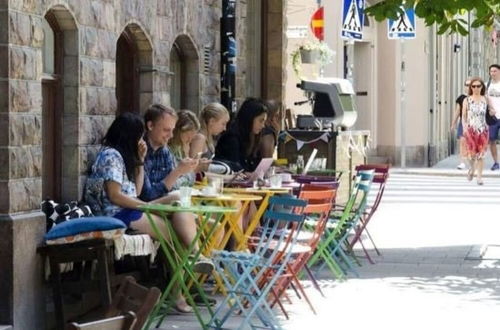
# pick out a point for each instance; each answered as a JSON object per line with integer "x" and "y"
{"x": 119, "y": 166}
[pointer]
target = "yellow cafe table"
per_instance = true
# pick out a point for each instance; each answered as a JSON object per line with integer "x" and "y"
{"x": 266, "y": 193}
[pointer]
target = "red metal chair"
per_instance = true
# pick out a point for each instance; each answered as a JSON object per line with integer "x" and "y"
{"x": 379, "y": 181}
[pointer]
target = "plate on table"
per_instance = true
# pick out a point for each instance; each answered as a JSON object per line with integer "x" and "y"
{"x": 195, "y": 192}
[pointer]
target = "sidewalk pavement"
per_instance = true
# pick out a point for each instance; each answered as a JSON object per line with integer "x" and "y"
{"x": 448, "y": 167}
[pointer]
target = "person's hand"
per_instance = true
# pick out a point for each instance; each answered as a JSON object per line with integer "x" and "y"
{"x": 187, "y": 165}
{"x": 492, "y": 111}
{"x": 142, "y": 149}
{"x": 452, "y": 127}
{"x": 203, "y": 165}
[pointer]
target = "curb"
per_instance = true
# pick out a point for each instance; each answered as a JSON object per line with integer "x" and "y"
{"x": 443, "y": 172}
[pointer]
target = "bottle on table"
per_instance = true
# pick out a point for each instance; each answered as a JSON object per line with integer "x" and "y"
{"x": 300, "y": 164}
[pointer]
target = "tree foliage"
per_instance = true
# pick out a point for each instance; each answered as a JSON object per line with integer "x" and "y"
{"x": 449, "y": 15}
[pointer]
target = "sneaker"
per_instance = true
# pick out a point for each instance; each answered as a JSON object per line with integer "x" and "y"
{"x": 203, "y": 265}
{"x": 495, "y": 166}
{"x": 461, "y": 166}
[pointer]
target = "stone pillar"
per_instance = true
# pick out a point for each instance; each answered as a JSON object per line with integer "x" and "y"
{"x": 23, "y": 301}
{"x": 274, "y": 58}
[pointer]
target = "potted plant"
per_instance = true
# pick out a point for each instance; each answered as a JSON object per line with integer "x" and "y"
{"x": 311, "y": 52}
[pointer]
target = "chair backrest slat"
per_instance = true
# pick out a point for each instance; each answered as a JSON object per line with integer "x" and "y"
{"x": 122, "y": 322}
{"x": 134, "y": 297}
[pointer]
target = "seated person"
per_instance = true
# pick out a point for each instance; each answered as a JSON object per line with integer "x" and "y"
{"x": 160, "y": 172}
{"x": 269, "y": 138}
{"x": 120, "y": 167}
{"x": 240, "y": 145}
{"x": 186, "y": 128}
{"x": 213, "y": 120}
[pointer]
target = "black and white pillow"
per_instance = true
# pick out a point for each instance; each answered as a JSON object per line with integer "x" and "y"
{"x": 56, "y": 213}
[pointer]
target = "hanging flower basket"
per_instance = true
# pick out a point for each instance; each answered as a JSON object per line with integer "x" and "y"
{"x": 311, "y": 53}
{"x": 309, "y": 56}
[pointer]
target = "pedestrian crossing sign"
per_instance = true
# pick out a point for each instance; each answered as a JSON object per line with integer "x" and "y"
{"x": 353, "y": 19}
{"x": 403, "y": 27}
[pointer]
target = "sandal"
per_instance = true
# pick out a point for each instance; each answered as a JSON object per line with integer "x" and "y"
{"x": 480, "y": 182}
{"x": 203, "y": 265}
{"x": 182, "y": 306}
{"x": 198, "y": 300}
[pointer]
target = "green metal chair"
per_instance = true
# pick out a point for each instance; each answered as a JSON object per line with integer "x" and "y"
{"x": 331, "y": 249}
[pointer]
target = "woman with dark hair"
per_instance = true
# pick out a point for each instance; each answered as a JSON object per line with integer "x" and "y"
{"x": 240, "y": 145}
{"x": 118, "y": 174}
{"x": 269, "y": 139}
{"x": 474, "y": 109}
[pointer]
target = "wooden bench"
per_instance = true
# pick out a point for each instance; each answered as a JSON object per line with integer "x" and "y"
{"x": 96, "y": 249}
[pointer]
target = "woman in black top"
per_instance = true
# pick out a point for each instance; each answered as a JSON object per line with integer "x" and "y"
{"x": 457, "y": 123}
{"x": 269, "y": 139}
{"x": 240, "y": 145}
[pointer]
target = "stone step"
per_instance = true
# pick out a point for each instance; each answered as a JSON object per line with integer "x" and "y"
{"x": 377, "y": 159}
{"x": 5, "y": 327}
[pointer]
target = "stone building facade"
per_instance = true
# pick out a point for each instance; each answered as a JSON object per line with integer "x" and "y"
{"x": 67, "y": 67}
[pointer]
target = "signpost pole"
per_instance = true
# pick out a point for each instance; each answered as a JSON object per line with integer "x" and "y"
{"x": 403, "y": 104}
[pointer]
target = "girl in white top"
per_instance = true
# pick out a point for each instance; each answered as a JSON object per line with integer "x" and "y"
{"x": 213, "y": 121}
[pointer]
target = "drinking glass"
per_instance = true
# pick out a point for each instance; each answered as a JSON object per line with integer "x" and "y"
{"x": 185, "y": 196}
{"x": 217, "y": 184}
{"x": 275, "y": 181}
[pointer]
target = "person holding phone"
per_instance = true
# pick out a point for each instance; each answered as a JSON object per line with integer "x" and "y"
{"x": 186, "y": 127}
{"x": 161, "y": 170}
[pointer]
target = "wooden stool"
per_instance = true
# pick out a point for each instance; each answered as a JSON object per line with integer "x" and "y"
{"x": 96, "y": 249}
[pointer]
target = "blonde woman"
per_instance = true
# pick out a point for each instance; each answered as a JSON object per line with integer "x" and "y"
{"x": 213, "y": 121}
{"x": 186, "y": 128}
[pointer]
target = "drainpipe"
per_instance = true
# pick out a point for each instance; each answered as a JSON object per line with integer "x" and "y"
{"x": 228, "y": 54}
{"x": 432, "y": 93}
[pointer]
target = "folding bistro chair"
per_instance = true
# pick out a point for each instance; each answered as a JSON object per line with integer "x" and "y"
{"x": 320, "y": 201}
{"x": 380, "y": 179}
{"x": 249, "y": 277}
{"x": 330, "y": 249}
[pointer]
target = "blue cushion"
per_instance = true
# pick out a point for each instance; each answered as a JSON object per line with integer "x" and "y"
{"x": 83, "y": 225}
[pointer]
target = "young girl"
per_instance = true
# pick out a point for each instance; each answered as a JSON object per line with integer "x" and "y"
{"x": 185, "y": 130}
{"x": 213, "y": 120}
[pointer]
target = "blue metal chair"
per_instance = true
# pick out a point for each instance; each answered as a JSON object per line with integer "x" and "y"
{"x": 249, "y": 276}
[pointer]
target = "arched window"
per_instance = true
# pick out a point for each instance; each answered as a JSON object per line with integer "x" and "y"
{"x": 134, "y": 70}
{"x": 177, "y": 90}
{"x": 51, "y": 107}
{"x": 60, "y": 174}
{"x": 185, "y": 75}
